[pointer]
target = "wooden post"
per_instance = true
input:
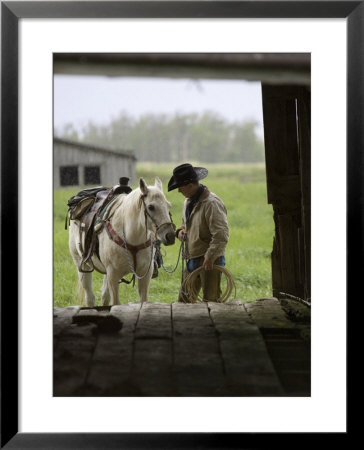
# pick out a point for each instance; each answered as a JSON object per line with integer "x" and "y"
{"x": 286, "y": 114}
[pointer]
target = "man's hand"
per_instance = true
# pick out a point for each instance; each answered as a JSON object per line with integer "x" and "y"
{"x": 181, "y": 235}
{"x": 208, "y": 264}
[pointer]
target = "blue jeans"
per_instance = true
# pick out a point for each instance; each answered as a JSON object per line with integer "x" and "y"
{"x": 195, "y": 263}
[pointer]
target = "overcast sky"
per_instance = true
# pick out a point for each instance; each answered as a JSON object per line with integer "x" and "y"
{"x": 79, "y": 99}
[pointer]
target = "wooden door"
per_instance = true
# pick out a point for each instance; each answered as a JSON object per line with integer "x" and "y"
{"x": 287, "y": 134}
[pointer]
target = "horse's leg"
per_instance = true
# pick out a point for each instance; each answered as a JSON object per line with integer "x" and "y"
{"x": 143, "y": 286}
{"x": 105, "y": 294}
{"x": 86, "y": 282}
{"x": 113, "y": 285}
{"x": 85, "y": 279}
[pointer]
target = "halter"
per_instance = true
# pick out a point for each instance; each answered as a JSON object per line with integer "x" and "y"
{"x": 134, "y": 249}
{"x": 146, "y": 214}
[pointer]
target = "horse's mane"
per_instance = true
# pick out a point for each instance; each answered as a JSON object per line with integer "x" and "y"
{"x": 131, "y": 203}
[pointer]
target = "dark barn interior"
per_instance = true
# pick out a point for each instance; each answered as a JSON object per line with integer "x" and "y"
{"x": 254, "y": 349}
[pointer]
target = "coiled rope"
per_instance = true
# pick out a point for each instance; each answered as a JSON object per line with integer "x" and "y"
{"x": 189, "y": 289}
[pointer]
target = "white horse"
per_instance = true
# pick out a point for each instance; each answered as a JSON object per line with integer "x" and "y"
{"x": 131, "y": 223}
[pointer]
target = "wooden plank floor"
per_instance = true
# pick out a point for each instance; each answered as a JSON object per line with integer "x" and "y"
{"x": 203, "y": 349}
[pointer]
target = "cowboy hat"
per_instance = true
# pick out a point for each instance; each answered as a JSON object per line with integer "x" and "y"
{"x": 185, "y": 174}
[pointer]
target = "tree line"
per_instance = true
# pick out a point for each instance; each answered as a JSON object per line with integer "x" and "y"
{"x": 206, "y": 137}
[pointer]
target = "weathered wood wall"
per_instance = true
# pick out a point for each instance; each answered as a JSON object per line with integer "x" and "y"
{"x": 287, "y": 133}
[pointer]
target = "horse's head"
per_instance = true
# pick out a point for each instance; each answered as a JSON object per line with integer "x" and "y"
{"x": 156, "y": 209}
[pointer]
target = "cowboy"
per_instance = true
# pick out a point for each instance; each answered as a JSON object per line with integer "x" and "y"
{"x": 204, "y": 228}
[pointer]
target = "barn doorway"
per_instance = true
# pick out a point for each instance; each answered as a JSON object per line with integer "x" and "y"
{"x": 285, "y": 82}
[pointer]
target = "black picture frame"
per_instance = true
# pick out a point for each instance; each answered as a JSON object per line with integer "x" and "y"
{"x": 11, "y": 13}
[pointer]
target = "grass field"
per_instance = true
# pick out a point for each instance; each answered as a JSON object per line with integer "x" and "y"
{"x": 243, "y": 190}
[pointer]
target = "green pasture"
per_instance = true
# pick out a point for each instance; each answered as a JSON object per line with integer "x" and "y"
{"x": 243, "y": 190}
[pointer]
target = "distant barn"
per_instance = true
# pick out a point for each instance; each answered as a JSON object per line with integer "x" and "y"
{"x": 79, "y": 164}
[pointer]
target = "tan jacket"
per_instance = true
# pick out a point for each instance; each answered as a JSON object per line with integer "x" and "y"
{"x": 207, "y": 228}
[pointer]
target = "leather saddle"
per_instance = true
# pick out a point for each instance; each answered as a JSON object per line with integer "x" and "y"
{"x": 86, "y": 206}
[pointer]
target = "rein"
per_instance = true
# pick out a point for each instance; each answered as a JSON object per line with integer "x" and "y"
{"x": 180, "y": 252}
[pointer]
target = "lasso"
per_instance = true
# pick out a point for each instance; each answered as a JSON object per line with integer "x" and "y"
{"x": 188, "y": 285}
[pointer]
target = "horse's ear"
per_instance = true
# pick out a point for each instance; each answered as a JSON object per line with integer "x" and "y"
{"x": 143, "y": 186}
{"x": 158, "y": 184}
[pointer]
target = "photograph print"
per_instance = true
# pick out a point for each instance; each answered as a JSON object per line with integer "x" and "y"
{"x": 182, "y": 212}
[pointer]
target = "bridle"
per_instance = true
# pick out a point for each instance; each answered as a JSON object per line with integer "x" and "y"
{"x": 146, "y": 215}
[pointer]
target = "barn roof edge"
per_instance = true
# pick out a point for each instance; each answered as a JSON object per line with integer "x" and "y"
{"x": 96, "y": 148}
